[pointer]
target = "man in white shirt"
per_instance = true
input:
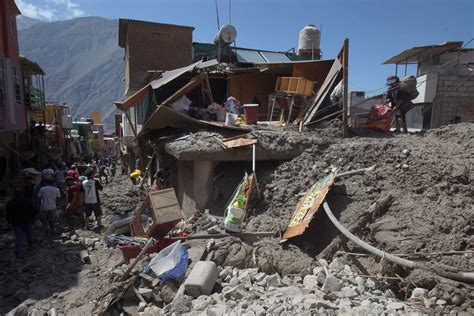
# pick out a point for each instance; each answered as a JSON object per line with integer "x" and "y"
{"x": 91, "y": 188}
{"x": 47, "y": 196}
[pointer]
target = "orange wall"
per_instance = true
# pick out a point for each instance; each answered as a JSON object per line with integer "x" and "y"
{"x": 9, "y": 43}
{"x": 315, "y": 72}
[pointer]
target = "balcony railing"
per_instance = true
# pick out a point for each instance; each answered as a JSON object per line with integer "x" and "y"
{"x": 35, "y": 99}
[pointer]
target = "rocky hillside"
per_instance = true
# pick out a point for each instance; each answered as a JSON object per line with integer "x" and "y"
{"x": 82, "y": 60}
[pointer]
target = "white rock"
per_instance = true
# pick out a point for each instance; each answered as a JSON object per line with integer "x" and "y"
{"x": 202, "y": 302}
{"x": 405, "y": 166}
{"x": 441, "y": 302}
{"x": 273, "y": 280}
{"x": 141, "y": 307}
{"x": 337, "y": 265}
{"x": 234, "y": 281}
{"x": 428, "y": 302}
{"x": 358, "y": 280}
{"x": 395, "y": 305}
{"x": 370, "y": 283}
{"x": 244, "y": 278}
{"x": 331, "y": 284}
{"x": 323, "y": 262}
{"x": 145, "y": 292}
{"x": 405, "y": 151}
{"x": 346, "y": 292}
{"x": 259, "y": 277}
{"x": 317, "y": 270}
{"x": 257, "y": 309}
{"x": 419, "y": 293}
{"x": 310, "y": 281}
{"x": 237, "y": 292}
{"x": 217, "y": 310}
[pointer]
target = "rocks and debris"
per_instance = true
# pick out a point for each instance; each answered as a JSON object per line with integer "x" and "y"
{"x": 428, "y": 220}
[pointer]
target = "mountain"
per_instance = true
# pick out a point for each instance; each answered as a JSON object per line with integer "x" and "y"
{"x": 24, "y": 22}
{"x": 83, "y": 63}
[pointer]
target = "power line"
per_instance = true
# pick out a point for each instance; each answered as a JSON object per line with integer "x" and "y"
{"x": 230, "y": 12}
{"x": 217, "y": 15}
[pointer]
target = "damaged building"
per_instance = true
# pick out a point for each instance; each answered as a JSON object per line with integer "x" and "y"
{"x": 179, "y": 116}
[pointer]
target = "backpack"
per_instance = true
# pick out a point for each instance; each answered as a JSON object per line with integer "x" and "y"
{"x": 408, "y": 85}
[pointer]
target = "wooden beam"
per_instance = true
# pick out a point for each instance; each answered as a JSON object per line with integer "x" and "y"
{"x": 192, "y": 84}
{"x": 345, "y": 85}
{"x": 133, "y": 99}
{"x": 208, "y": 86}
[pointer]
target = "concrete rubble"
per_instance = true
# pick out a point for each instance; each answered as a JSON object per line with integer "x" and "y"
{"x": 259, "y": 275}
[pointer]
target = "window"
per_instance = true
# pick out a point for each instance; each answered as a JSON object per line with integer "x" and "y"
{"x": 16, "y": 82}
{"x": 249, "y": 56}
{"x": 273, "y": 57}
{"x": 12, "y": 27}
{"x": 161, "y": 35}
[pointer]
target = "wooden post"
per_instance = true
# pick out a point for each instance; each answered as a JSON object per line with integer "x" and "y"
{"x": 208, "y": 86}
{"x": 345, "y": 84}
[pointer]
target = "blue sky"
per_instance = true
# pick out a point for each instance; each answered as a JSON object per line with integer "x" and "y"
{"x": 377, "y": 29}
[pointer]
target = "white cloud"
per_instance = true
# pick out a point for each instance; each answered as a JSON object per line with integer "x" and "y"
{"x": 36, "y": 12}
{"x": 50, "y": 10}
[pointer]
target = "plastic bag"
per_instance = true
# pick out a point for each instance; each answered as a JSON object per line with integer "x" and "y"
{"x": 170, "y": 263}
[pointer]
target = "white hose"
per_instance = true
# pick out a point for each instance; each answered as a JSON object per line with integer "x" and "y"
{"x": 460, "y": 276}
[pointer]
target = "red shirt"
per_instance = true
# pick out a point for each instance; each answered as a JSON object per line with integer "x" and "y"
{"x": 73, "y": 189}
{"x": 74, "y": 174}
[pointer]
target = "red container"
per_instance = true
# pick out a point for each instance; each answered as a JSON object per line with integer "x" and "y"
{"x": 130, "y": 252}
{"x": 251, "y": 111}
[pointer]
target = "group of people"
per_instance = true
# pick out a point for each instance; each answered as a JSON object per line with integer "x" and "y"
{"x": 74, "y": 190}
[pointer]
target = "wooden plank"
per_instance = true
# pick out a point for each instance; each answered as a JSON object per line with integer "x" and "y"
{"x": 345, "y": 85}
{"x": 323, "y": 92}
{"x": 239, "y": 142}
{"x": 192, "y": 84}
{"x": 208, "y": 85}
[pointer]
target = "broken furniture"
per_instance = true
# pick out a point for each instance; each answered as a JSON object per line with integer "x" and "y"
{"x": 284, "y": 101}
{"x": 157, "y": 215}
{"x": 294, "y": 85}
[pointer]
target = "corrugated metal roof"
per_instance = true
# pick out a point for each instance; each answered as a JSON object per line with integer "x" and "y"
{"x": 171, "y": 75}
{"x": 124, "y": 22}
{"x": 30, "y": 67}
{"x": 421, "y": 53}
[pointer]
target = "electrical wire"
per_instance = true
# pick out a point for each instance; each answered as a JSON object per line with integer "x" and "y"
{"x": 230, "y": 12}
{"x": 217, "y": 15}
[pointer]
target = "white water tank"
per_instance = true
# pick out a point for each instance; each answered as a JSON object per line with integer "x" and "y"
{"x": 309, "y": 39}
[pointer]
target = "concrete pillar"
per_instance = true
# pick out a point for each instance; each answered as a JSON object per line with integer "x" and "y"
{"x": 203, "y": 173}
{"x": 194, "y": 187}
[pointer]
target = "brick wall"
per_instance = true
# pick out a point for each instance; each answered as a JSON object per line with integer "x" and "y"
{"x": 455, "y": 89}
{"x": 153, "y": 46}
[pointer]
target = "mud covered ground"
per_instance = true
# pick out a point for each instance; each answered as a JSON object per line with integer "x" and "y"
{"x": 52, "y": 276}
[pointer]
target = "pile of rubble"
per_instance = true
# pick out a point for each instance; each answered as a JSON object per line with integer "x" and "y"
{"x": 327, "y": 289}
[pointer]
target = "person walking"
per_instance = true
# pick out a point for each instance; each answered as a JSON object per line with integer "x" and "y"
{"x": 48, "y": 195}
{"x": 91, "y": 188}
{"x": 73, "y": 199}
{"x": 400, "y": 102}
{"x": 20, "y": 214}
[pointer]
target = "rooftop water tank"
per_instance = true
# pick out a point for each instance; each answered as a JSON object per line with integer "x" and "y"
{"x": 309, "y": 38}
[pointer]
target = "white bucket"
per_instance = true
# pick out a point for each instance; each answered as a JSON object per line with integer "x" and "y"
{"x": 234, "y": 219}
{"x": 230, "y": 119}
{"x": 221, "y": 114}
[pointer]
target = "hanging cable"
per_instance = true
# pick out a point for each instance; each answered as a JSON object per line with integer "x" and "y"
{"x": 230, "y": 12}
{"x": 217, "y": 15}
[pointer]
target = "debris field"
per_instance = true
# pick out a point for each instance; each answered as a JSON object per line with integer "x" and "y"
{"x": 429, "y": 175}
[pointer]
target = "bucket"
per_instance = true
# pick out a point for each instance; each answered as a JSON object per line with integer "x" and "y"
{"x": 251, "y": 111}
{"x": 234, "y": 219}
{"x": 220, "y": 113}
{"x": 230, "y": 119}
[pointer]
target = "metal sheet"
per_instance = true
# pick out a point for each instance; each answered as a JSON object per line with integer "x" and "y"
{"x": 168, "y": 76}
{"x": 421, "y": 53}
{"x": 308, "y": 206}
